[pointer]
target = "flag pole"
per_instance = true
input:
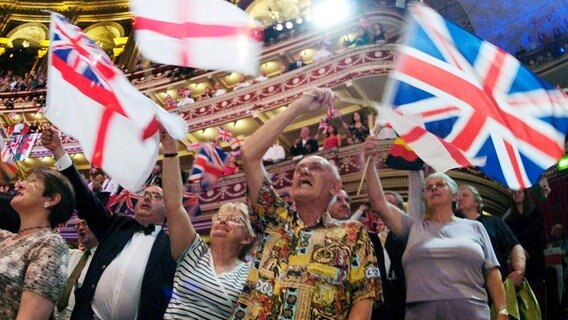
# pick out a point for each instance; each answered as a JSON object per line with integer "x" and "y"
{"x": 363, "y": 176}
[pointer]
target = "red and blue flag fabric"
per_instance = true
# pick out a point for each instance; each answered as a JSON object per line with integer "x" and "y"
{"x": 224, "y": 134}
{"x": 90, "y": 99}
{"x": 208, "y": 166}
{"x": 123, "y": 202}
{"x": 460, "y": 101}
{"x": 323, "y": 126}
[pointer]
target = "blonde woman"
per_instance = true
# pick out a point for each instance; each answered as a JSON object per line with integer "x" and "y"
{"x": 208, "y": 279}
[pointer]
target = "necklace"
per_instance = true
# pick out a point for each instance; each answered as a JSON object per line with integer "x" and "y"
{"x": 32, "y": 228}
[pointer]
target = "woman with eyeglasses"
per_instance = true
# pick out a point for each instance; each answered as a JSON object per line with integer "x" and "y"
{"x": 33, "y": 261}
{"x": 450, "y": 266}
{"x": 208, "y": 279}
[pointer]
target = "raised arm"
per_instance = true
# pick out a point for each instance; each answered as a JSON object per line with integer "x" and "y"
{"x": 391, "y": 215}
{"x": 88, "y": 206}
{"x": 257, "y": 144}
{"x": 415, "y": 189}
{"x": 180, "y": 228}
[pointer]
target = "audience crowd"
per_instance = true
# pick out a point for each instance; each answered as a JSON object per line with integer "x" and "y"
{"x": 301, "y": 256}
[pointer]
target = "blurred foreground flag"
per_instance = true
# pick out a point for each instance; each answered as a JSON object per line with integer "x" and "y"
{"x": 475, "y": 104}
{"x": 208, "y": 166}
{"x": 90, "y": 99}
{"x": 402, "y": 157}
{"x": 211, "y": 34}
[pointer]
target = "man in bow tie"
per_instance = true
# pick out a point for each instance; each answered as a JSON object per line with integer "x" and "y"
{"x": 131, "y": 275}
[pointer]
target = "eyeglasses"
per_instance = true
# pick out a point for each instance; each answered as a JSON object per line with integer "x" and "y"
{"x": 437, "y": 185}
{"x": 153, "y": 195}
{"x": 229, "y": 219}
{"x": 80, "y": 224}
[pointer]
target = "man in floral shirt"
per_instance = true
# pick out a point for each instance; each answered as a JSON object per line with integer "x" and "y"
{"x": 307, "y": 266}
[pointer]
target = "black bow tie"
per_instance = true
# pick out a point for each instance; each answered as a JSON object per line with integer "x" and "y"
{"x": 148, "y": 229}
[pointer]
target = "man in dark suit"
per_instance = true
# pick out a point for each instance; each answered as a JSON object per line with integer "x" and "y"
{"x": 298, "y": 63}
{"x": 131, "y": 273}
{"x": 304, "y": 144}
{"x": 388, "y": 251}
{"x": 9, "y": 219}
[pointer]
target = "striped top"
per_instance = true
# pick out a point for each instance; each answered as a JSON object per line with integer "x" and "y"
{"x": 201, "y": 293}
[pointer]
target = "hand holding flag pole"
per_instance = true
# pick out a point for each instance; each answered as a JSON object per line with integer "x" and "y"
{"x": 374, "y": 104}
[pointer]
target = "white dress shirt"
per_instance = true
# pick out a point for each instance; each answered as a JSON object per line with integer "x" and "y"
{"x": 118, "y": 292}
{"x": 110, "y": 186}
{"x": 275, "y": 153}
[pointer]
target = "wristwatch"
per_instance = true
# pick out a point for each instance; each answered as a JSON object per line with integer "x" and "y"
{"x": 503, "y": 312}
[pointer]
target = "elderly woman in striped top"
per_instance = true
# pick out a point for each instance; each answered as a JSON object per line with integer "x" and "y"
{"x": 208, "y": 280}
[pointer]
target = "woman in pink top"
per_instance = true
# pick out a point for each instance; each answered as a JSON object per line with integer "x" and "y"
{"x": 332, "y": 138}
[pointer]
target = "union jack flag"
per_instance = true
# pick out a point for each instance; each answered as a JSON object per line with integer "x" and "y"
{"x": 191, "y": 201}
{"x": 208, "y": 166}
{"x": 332, "y": 112}
{"x": 123, "y": 202}
{"x": 90, "y": 99}
{"x": 323, "y": 126}
{"x": 224, "y": 134}
{"x": 481, "y": 104}
{"x": 236, "y": 142}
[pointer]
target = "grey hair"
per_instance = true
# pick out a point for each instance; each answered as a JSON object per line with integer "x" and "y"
{"x": 476, "y": 195}
{"x": 398, "y": 197}
{"x": 335, "y": 170}
{"x": 449, "y": 181}
{"x": 243, "y": 209}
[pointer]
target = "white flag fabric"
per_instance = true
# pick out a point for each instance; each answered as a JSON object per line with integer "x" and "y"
{"x": 91, "y": 100}
{"x": 211, "y": 34}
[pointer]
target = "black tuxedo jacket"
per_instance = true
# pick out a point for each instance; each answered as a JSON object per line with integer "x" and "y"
{"x": 311, "y": 146}
{"x": 113, "y": 233}
{"x": 393, "y": 280}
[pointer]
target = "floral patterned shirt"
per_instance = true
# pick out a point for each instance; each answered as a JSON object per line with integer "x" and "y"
{"x": 36, "y": 262}
{"x": 303, "y": 272}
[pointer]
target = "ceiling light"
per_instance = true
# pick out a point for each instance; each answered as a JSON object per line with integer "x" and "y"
{"x": 327, "y": 13}
{"x": 289, "y": 25}
{"x": 299, "y": 20}
{"x": 279, "y": 27}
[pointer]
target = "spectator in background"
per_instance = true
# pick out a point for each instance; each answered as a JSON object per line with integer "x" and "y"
{"x": 361, "y": 38}
{"x": 274, "y": 154}
{"x": 219, "y": 90}
{"x": 358, "y": 130}
{"x": 558, "y": 238}
{"x": 19, "y": 127}
{"x": 243, "y": 83}
{"x": 322, "y": 53}
{"x": 378, "y": 36}
{"x": 504, "y": 242}
{"x": 298, "y": 62}
{"x": 34, "y": 127}
{"x": 231, "y": 167}
{"x": 527, "y": 223}
{"x": 79, "y": 261}
{"x": 261, "y": 77}
{"x": 332, "y": 138}
{"x": 170, "y": 103}
{"x": 110, "y": 186}
{"x": 304, "y": 144}
{"x": 186, "y": 98}
{"x": 155, "y": 177}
